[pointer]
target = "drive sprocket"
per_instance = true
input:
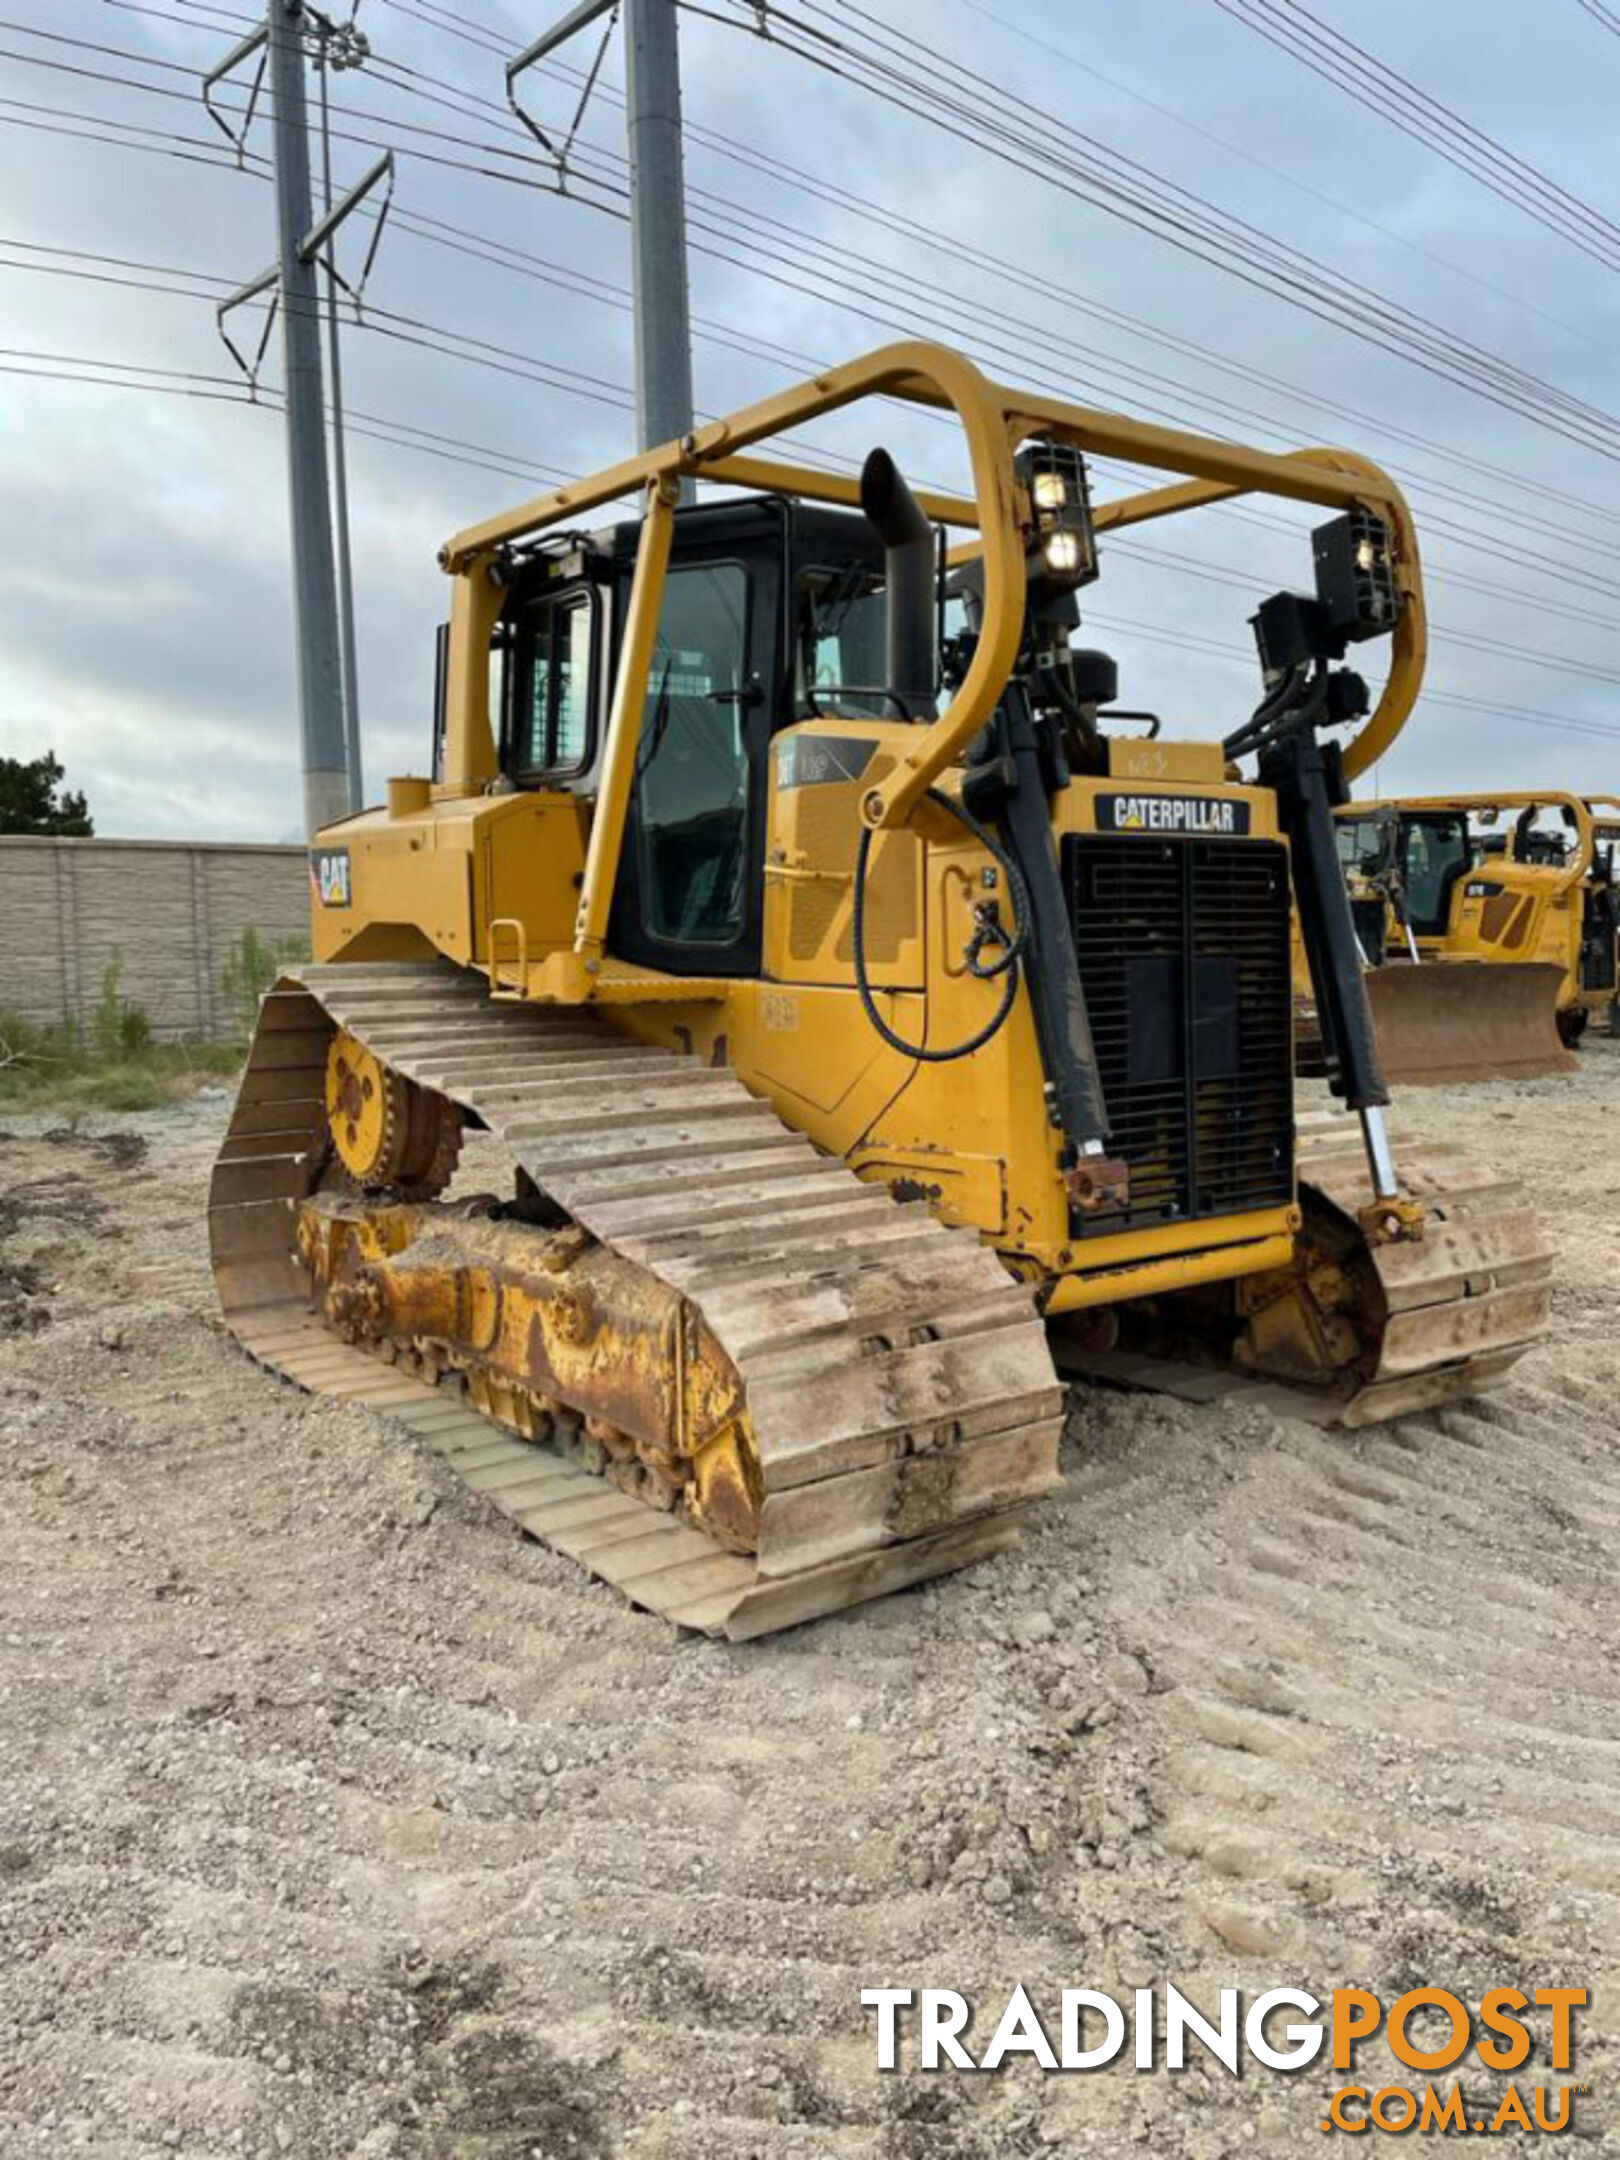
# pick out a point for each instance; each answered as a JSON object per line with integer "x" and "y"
{"x": 389, "y": 1134}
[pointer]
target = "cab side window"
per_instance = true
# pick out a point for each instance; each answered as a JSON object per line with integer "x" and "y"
{"x": 548, "y": 686}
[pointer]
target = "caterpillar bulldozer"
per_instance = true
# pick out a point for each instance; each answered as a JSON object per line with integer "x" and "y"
{"x": 849, "y": 1011}
{"x": 1508, "y": 904}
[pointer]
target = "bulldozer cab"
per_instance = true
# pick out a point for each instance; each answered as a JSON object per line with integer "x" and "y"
{"x": 1434, "y": 854}
{"x": 772, "y": 610}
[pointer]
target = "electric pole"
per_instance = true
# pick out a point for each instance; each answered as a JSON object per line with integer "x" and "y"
{"x": 652, "y": 77}
{"x": 652, "y": 93}
{"x": 320, "y": 664}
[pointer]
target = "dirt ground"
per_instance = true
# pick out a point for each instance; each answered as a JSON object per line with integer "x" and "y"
{"x": 338, "y": 1820}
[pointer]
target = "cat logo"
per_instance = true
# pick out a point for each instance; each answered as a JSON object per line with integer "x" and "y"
{"x": 1195, "y": 816}
{"x": 329, "y": 876}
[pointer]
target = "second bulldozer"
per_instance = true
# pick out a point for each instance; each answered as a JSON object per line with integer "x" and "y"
{"x": 835, "y": 1008}
{"x": 1489, "y": 921}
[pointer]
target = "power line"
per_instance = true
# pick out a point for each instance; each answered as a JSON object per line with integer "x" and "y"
{"x": 1301, "y": 186}
{"x": 753, "y": 218}
{"x": 434, "y": 336}
{"x": 131, "y": 375}
{"x": 383, "y": 322}
{"x": 804, "y": 245}
{"x": 968, "y": 107}
{"x": 1523, "y": 517}
{"x": 1362, "y": 76}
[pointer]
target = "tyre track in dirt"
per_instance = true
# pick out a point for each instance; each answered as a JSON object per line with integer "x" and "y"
{"x": 347, "y": 1823}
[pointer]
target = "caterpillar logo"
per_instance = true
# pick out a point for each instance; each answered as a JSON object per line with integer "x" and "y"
{"x": 329, "y": 875}
{"x": 1196, "y": 815}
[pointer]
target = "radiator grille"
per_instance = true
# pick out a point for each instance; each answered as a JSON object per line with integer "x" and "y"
{"x": 1184, "y": 958}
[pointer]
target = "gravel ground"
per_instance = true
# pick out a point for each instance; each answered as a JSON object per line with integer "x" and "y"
{"x": 339, "y": 1820}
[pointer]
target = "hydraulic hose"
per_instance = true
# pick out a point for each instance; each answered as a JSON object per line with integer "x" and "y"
{"x": 1006, "y": 967}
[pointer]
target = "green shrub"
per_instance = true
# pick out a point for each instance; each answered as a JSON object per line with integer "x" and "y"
{"x": 112, "y": 1065}
{"x": 122, "y": 1030}
{"x": 251, "y": 966}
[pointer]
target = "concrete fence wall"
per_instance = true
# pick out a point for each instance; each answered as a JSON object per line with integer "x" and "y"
{"x": 172, "y": 917}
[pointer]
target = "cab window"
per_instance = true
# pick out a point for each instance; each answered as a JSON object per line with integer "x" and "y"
{"x": 1436, "y": 853}
{"x": 692, "y": 771}
{"x": 547, "y": 693}
{"x": 1359, "y": 842}
{"x": 840, "y": 656}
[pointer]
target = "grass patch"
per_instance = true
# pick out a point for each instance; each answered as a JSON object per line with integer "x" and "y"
{"x": 113, "y": 1064}
{"x": 51, "y": 1068}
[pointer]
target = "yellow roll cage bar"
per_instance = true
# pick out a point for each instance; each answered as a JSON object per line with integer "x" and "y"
{"x": 995, "y": 420}
{"x": 1577, "y": 807}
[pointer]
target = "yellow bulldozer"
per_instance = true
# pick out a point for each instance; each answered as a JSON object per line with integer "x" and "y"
{"x": 1507, "y": 904}
{"x": 844, "y": 1012}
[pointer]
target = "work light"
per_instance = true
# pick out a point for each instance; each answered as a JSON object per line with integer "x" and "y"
{"x": 1063, "y": 551}
{"x": 1355, "y": 576}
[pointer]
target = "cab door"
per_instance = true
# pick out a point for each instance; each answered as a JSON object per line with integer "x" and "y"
{"x": 689, "y": 898}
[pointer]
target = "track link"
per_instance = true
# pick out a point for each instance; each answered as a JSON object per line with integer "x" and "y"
{"x": 1463, "y": 1302}
{"x": 900, "y": 1387}
{"x": 1427, "y": 1321}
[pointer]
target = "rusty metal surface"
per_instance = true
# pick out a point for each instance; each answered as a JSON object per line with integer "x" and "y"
{"x": 1356, "y": 1329}
{"x": 1443, "y": 1314}
{"x": 1447, "y": 1021}
{"x": 540, "y": 1320}
{"x": 901, "y": 1404}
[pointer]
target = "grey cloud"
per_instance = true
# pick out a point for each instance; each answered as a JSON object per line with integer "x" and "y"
{"x": 145, "y": 608}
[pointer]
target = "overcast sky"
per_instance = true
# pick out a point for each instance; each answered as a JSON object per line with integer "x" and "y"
{"x": 145, "y": 597}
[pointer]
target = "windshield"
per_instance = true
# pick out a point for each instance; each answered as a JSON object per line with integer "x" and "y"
{"x": 1360, "y": 845}
{"x": 840, "y": 662}
{"x": 1435, "y": 852}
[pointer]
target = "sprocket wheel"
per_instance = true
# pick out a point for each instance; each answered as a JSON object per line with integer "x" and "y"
{"x": 389, "y": 1134}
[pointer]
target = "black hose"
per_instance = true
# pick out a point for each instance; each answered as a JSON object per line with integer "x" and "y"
{"x": 1006, "y": 966}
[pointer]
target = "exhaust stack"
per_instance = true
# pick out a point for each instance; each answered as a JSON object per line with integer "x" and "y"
{"x": 912, "y": 659}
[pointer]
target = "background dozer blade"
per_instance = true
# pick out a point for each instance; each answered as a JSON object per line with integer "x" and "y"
{"x": 1454, "y": 1020}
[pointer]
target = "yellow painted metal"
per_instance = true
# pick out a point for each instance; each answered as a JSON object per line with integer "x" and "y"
{"x": 810, "y": 866}
{"x": 476, "y": 600}
{"x": 1124, "y": 1279}
{"x": 993, "y": 419}
{"x": 433, "y": 879}
{"x": 1537, "y": 915}
{"x": 960, "y": 1136}
{"x": 770, "y": 477}
{"x": 356, "y": 1105}
{"x": 624, "y": 722}
{"x": 1576, "y": 866}
{"x": 1146, "y": 758}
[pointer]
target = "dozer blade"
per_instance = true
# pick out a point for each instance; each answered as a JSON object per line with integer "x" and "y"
{"x": 1446, "y": 1021}
{"x": 683, "y": 1246}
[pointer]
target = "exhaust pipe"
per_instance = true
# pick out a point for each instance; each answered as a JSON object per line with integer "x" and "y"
{"x": 909, "y": 574}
